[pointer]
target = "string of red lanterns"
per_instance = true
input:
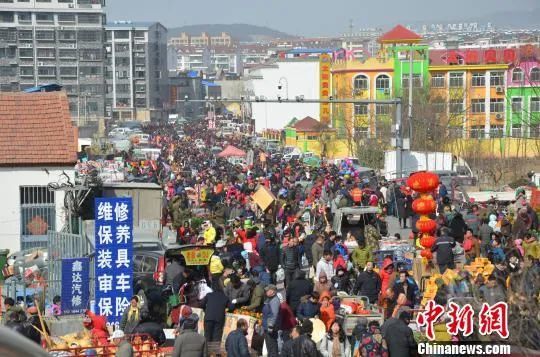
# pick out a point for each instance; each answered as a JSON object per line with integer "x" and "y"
{"x": 425, "y": 183}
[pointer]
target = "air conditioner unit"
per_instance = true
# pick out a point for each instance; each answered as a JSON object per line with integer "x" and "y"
{"x": 71, "y": 6}
{"x": 41, "y": 63}
{"x": 499, "y": 89}
{"x": 25, "y": 45}
{"x": 498, "y": 116}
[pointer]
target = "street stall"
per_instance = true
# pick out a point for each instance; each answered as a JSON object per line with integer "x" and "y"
{"x": 353, "y": 308}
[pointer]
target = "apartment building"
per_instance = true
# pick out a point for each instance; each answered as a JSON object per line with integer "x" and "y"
{"x": 55, "y": 41}
{"x": 137, "y": 75}
{"x": 203, "y": 40}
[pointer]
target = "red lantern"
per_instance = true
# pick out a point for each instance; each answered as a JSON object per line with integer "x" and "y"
{"x": 426, "y": 225}
{"x": 423, "y": 181}
{"x": 426, "y": 253}
{"x": 424, "y": 205}
{"x": 427, "y": 241}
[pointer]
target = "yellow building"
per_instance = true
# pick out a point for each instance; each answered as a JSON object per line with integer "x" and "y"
{"x": 370, "y": 80}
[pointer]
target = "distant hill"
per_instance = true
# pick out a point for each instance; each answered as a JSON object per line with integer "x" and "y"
{"x": 239, "y": 32}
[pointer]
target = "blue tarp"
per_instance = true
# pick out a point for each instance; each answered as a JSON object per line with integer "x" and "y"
{"x": 209, "y": 84}
{"x": 44, "y": 88}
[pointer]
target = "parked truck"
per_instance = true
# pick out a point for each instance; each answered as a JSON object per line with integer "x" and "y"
{"x": 413, "y": 161}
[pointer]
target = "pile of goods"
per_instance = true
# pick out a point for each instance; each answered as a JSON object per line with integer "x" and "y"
{"x": 243, "y": 311}
{"x": 480, "y": 266}
{"x": 354, "y": 307}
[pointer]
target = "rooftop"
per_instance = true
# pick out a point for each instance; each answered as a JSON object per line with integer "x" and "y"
{"x": 309, "y": 124}
{"x": 400, "y": 34}
{"x": 36, "y": 129}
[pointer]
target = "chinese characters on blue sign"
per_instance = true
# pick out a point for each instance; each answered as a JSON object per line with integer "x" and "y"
{"x": 114, "y": 250}
{"x": 75, "y": 285}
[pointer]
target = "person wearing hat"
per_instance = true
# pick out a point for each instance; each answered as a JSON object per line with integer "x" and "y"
{"x": 189, "y": 343}
{"x": 216, "y": 266}
{"x": 123, "y": 347}
{"x": 271, "y": 320}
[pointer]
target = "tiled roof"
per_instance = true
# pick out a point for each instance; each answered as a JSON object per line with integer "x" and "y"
{"x": 36, "y": 129}
{"x": 399, "y": 33}
{"x": 308, "y": 124}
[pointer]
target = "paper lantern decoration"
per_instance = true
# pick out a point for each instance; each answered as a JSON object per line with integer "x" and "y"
{"x": 426, "y": 253}
{"x": 424, "y": 205}
{"x": 423, "y": 181}
{"x": 427, "y": 241}
{"x": 426, "y": 225}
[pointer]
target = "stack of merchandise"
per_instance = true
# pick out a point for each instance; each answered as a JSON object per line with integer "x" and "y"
{"x": 480, "y": 266}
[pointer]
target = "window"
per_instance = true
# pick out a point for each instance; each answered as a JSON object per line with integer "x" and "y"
{"x": 360, "y": 109}
{"x": 139, "y": 47}
{"x": 123, "y": 88}
{"x": 437, "y": 80}
{"x": 90, "y": 55}
{"x": 47, "y": 71}
{"x": 38, "y": 215}
{"x": 477, "y": 131}
{"x": 122, "y": 35}
{"x": 140, "y": 102}
{"x": 67, "y": 35}
{"x": 47, "y": 53}
{"x": 496, "y": 105}
{"x": 68, "y": 71}
{"x": 139, "y": 34}
{"x": 140, "y": 88}
{"x": 516, "y": 130}
{"x": 45, "y": 35}
{"x": 7, "y": 16}
{"x": 456, "y": 80}
{"x": 496, "y": 131}
{"x": 517, "y": 105}
{"x": 26, "y": 71}
{"x": 496, "y": 79}
{"x": 534, "y": 130}
{"x": 535, "y": 104}
{"x": 67, "y": 54}
{"x": 439, "y": 107}
{"x": 26, "y": 53}
{"x": 382, "y": 82}
{"x": 91, "y": 88}
{"x": 89, "y": 18}
{"x": 361, "y": 82}
{"x": 517, "y": 75}
{"x": 382, "y": 109}
{"x": 478, "y": 80}
{"x": 8, "y": 71}
{"x": 90, "y": 72}
{"x": 121, "y": 47}
{"x": 417, "y": 81}
{"x": 24, "y": 17}
{"x": 44, "y": 17}
{"x": 66, "y": 18}
{"x": 121, "y": 74}
{"x": 26, "y": 35}
{"x": 456, "y": 106}
{"x": 361, "y": 132}
{"x": 89, "y": 36}
{"x": 478, "y": 106}
{"x": 535, "y": 74}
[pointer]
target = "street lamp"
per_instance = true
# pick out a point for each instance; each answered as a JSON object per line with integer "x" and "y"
{"x": 280, "y": 86}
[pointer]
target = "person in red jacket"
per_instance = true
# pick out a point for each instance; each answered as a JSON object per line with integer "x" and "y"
{"x": 98, "y": 328}
{"x": 288, "y": 319}
{"x": 388, "y": 275}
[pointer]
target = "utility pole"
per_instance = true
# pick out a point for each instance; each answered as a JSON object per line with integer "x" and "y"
{"x": 399, "y": 141}
{"x": 411, "y": 64}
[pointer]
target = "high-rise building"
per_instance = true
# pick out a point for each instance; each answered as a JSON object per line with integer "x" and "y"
{"x": 55, "y": 41}
{"x": 137, "y": 74}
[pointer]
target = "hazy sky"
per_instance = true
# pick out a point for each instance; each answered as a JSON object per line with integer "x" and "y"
{"x": 309, "y": 17}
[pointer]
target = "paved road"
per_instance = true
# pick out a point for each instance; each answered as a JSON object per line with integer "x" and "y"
{"x": 393, "y": 227}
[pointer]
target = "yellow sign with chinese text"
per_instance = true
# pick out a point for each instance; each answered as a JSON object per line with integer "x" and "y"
{"x": 198, "y": 256}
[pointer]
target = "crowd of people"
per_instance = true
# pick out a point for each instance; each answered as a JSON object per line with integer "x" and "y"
{"x": 288, "y": 266}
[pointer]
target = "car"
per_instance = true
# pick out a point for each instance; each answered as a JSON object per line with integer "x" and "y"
{"x": 148, "y": 269}
{"x": 120, "y": 132}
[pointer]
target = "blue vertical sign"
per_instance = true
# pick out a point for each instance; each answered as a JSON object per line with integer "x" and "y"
{"x": 75, "y": 285}
{"x": 113, "y": 259}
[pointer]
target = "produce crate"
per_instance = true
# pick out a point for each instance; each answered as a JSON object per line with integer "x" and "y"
{"x": 350, "y": 320}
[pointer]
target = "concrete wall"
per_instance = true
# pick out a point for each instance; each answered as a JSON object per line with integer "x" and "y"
{"x": 302, "y": 78}
{"x": 10, "y": 210}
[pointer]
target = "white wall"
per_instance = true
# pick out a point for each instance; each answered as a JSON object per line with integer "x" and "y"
{"x": 303, "y": 79}
{"x": 10, "y": 211}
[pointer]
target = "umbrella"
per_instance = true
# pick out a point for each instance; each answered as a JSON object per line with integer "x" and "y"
{"x": 231, "y": 151}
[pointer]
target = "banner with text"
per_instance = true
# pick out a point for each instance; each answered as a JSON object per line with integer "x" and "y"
{"x": 75, "y": 285}
{"x": 114, "y": 251}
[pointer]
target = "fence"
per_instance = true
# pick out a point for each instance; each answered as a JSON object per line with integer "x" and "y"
{"x": 61, "y": 245}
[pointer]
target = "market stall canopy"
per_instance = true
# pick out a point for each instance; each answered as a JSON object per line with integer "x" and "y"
{"x": 231, "y": 151}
